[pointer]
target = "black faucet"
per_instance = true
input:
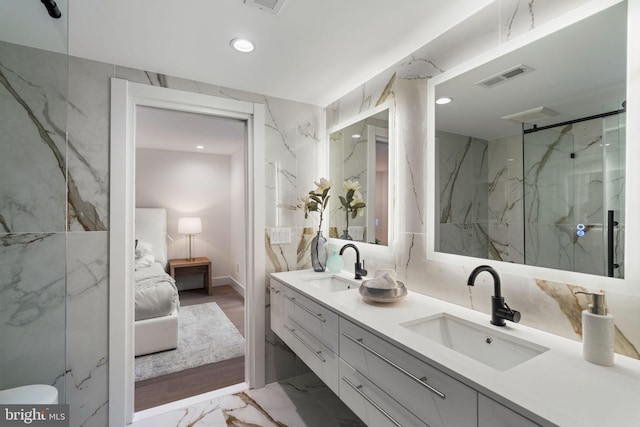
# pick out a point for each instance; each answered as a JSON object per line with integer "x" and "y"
{"x": 360, "y": 271}
{"x": 499, "y": 309}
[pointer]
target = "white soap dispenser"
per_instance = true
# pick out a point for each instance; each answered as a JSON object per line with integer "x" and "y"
{"x": 598, "y": 331}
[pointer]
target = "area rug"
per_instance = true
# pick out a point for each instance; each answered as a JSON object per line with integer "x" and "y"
{"x": 206, "y": 335}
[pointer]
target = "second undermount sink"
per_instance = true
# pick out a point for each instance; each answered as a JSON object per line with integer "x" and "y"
{"x": 332, "y": 283}
{"x": 486, "y": 345}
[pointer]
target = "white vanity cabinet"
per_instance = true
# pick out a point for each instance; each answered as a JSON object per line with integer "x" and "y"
{"x": 276, "y": 294}
{"x": 311, "y": 331}
{"x": 493, "y": 414}
{"x": 434, "y": 397}
{"x": 370, "y": 403}
{"x": 376, "y": 378}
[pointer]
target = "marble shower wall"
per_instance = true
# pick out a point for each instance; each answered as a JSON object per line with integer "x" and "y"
{"x": 544, "y": 305}
{"x": 464, "y": 194}
{"x": 33, "y": 191}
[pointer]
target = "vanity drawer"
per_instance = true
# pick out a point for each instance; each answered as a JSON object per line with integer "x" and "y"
{"x": 320, "y": 359}
{"x": 276, "y": 306}
{"x": 370, "y": 403}
{"x": 316, "y": 319}
{"x": 428, "y": 393}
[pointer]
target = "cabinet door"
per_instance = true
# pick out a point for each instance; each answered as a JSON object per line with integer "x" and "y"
{"x": 493, "y": 414}
{"x": 314, "y": 318}
{"x": 431, "y": 395}
{"x": 370, "y": 403}
{"x": 320, "y": 359}
{"x": 277, "y": 307}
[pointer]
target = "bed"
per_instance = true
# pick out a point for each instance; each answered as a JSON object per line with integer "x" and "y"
{"x": 156, "y": 295}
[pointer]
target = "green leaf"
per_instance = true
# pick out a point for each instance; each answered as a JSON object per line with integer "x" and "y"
{"x": 354, "y": 214}
{"x": 350, "y": 195}
{"x": 359, "y": 206}
{"x": 343, "y": 202}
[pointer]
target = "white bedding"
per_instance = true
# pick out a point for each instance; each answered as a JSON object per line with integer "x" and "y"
{"x": 155, "y": 294}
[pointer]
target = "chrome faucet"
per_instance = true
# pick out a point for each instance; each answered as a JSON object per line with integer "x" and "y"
{"x": 499, "y": 308}
{"x": 360, "y": 271}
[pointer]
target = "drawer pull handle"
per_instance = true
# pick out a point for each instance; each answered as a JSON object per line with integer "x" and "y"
{"x": 422, "y": 381}
{"x": 306, "y": 344}
{"x": 275, "y": 291}
{"x": 318, "y": 315}
{"x": 358, "y": 389}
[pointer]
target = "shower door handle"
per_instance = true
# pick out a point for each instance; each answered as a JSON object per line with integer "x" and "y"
{"x": 611, "y": 224}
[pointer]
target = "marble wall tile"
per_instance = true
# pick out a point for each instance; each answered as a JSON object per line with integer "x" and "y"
{"x": 88, "y": 143}
{"x": 478, "y": 33}
{"x": 157, "y": 79}
{"x": 32, "y": 310}
{"x": 87, "y": 328}
{"x": 33, "y": 100}
{"x": 410, "y": 100}
{"x": 519, "y": 16}
{"x": 365, "y": 97}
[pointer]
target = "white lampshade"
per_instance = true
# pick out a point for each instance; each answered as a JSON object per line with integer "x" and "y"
{"x": 189, "y": 225}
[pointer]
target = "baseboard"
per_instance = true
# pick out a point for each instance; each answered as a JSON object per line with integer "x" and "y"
{"x": 228, "y": 280}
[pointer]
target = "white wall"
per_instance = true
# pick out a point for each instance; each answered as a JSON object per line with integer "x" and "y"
{"x": 191, "y": 184}
{"x": 237, "y": 247}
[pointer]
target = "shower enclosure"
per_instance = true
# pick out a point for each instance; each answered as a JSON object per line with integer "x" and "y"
{"x": 573, "y": 195}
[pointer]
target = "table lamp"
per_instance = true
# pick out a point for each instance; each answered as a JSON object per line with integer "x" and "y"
{"x": 190, "y": 226}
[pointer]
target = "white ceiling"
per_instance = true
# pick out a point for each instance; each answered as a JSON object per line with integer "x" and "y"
{"x": 180, "y": 131}
{"x": 313, "y": 51}
{"x": 579, "y": 71}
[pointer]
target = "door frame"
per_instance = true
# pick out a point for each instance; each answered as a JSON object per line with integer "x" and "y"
{"x": 125, "y": 97}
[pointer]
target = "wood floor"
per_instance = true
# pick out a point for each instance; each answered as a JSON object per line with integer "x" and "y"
{"x": 180, "y": 385}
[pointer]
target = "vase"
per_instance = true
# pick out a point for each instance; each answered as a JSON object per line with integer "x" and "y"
{"x": 319, "y": 252}
{"x": 345, "y": 235}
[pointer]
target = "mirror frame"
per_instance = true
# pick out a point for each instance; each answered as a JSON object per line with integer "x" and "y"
{"x": 393, "y": 158}
{"x": 632, "y": 230}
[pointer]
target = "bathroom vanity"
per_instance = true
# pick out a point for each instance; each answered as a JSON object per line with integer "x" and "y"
{"x": 425, "y": 362}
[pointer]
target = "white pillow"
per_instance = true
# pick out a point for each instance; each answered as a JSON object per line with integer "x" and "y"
{"x": 144, "y": 261}
{"x": 143, "y": 249}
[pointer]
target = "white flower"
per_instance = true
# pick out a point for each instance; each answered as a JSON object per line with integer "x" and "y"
{"x": 324, "y": 184}
{"x": 357, "y": 197}
{"x": 351, "y": 185}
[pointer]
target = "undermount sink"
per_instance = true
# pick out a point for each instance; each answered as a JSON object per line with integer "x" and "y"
{"x": 481, "y": 343}
{"x": 332, "y": 284}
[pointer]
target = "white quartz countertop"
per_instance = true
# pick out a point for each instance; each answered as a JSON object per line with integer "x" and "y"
{"x": 556, "y": 387}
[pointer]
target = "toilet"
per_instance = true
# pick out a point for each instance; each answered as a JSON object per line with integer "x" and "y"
{"x": 37, "y": 394}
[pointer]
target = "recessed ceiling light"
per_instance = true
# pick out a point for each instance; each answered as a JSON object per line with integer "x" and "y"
{"x": 242, "y": 45}
{"x": 356, "y": 135}
{"x": 443, "y": 100}
{"x": 200, "y": 147}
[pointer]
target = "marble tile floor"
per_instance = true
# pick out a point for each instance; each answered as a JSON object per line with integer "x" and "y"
{"x": 302, "y": 401}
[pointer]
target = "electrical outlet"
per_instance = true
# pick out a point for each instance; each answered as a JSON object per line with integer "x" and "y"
{"x": 280, "y": 236}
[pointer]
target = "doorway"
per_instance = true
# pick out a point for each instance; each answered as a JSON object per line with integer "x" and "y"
{"x": 125, "y": 98}
{"x": 190, "y": 165}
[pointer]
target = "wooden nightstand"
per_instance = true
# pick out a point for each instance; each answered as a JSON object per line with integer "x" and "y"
{"x": 183, "y": 267}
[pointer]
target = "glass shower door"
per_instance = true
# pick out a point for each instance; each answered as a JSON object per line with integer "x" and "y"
{"x": 548, "y": 198}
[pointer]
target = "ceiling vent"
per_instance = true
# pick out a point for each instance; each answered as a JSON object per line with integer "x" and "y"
{"x": 511, "y": 73}
{"x": 532, "y": 116}
{"x": 271, "y": 6}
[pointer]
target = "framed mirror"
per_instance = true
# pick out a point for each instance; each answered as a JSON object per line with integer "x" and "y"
{"x": 528, "y": 158}
{"x": 360, "y": 153}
